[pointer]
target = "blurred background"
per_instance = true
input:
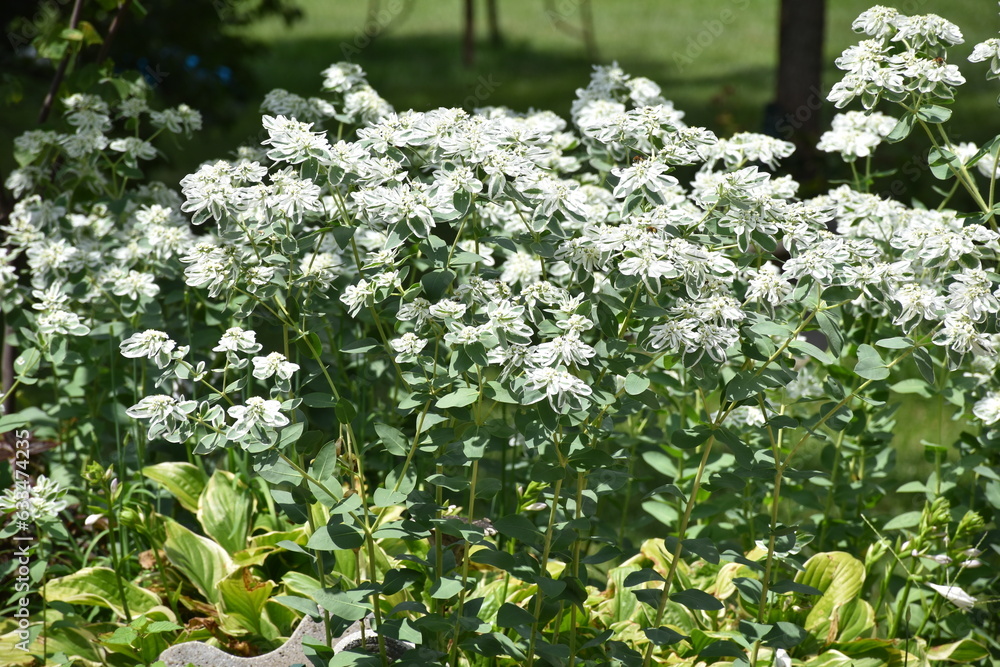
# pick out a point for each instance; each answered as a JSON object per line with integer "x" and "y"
{"x": 721, "y": 61}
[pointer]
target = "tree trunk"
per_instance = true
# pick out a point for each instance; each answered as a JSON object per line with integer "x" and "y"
{"x": 797, "y": 111}
{"x": 469, "y": 41}
{"x": 493, "y": 18}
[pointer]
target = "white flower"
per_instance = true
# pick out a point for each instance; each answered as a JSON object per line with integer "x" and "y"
{"x": 674, "y": 334}
{"x": 409, "y": 345}
{"x": 767, "y": 284}
{"x": 955, "y": 595}
{"x": 781, "y": 658}
{"x": 62, "y": 322}
{"x": 135, "y": 284}
{"x": 150, "y": 343}
{"x": 257, "y": 412}
{"x": 134, "y": 149}
{"x": 930, "y": 29}
{"x": 567, "y": 350}
{"x": 961, "y": 335}
{"x": 460, "y": 334}
{"x": 166, "y": 415}
{"x": 273, "y": 364}
{"x": 356, "y": 296}
{"x": 42, "y": 501}
{"x": 988, "y": 50}
{"x": 648, "y": 174}
{"x": 521, "y": 267}
{"x": 561, "y": 387}
{"x": 237, "y": 340}
{"x": 417, "y": 310}
{"x": 341, "y": 77}
{"x": 292, "y": 142}
{"x": 988, "y": 408}
{"x": 879, "y": 21}
{"x": 855, "y": 134}
{"x": 448, "y": 309}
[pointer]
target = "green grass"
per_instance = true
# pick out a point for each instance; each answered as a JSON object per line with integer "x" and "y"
{"x": 415, "y": 61}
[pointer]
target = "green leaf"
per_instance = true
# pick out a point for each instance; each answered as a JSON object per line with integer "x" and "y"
{"x": 519, "y": 528}
{"x": 870, "y": 365}
{"x": 896, "y": 343}
{"x": 636, "y": 384}
{"x": 932, "y": 113}
{"x": 459, "y": 398}
{"x": 393, "y": 439}
{"x": 245, "y": 604}
{"x": 696, "y": 599}
{"x": 98, "y": 587}
{"x": 348, "y": 605}
{"x": 856, "y": 621}
{"x": 201, "y": 560}
{"x": 336, "y": 535}
{"x": 831, "y": 329}
{"x": 510, "y": 616}
{"x": 912, "y": 386}
{"x": 436, "y": 283}
{"x": 840, "y": 577}
{"x": 184, "y": 481}
{"x": 965, "y": 652}
{"x": 345, "y": 411}
{"x": 445, "y": 588}
{"x": 750, "y": 589}
{"x": 689, "y": 438}
{"x": 157, "y": 627}
{"x": 319, "y": 400}
{"x": 943, "y": 163}
{"x": 27, "y": 363}
{"x": 225, "y": 510}
{"x": 902, "y": 129}
{"x": 663, "y": 636}
{"x": 784, "y": 635}
{"x": 904, "y": 520}
{"x": 360, "y": 346}
{"x": 324, "y": 469}
{"x": 809, "y": 349}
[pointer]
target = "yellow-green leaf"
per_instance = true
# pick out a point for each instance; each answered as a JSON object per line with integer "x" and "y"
{"x": 98, "y": 587}
{"x": 964, "y": 651}
{"x": 225, "y": 509}
{"x": 840, "y": 577}
{"x": 184, "y": 481}
{"x": 201, "y": 560}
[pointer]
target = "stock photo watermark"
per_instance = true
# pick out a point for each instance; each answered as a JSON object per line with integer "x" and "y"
{"x": 24, "y": 539}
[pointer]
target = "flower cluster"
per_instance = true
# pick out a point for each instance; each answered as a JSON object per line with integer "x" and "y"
{"x": 903, "y": 56}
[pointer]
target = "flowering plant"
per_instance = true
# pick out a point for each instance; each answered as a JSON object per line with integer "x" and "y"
{"x": 473, "y": 346}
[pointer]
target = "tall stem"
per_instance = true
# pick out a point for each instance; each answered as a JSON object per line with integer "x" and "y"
{"x": 544, "y": 569}
{"x": 676, "y": 556}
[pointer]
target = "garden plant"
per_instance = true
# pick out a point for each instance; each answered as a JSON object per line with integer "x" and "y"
{"x": 515, "y": 389}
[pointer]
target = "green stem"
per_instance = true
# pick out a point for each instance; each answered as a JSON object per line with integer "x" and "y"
{"x": 465, "y": 563}
{"x": 557, "y": 489}
{"x": 676, "y": 556}
{"x": 828, "y": 507}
